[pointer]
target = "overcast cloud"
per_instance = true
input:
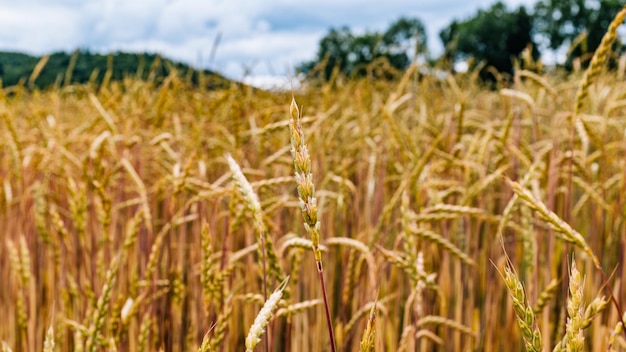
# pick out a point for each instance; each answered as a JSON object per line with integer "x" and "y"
{"x": 262, "y": 38}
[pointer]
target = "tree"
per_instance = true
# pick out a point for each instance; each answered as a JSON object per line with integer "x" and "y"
{"x": 16, "y": 67}
{"x": 402, "y": 36}
{"x": 495, "y": 35}
{"x": 351, "y": 54}
{"x": 559, "y": 22}
{"x": 333, "y": 49}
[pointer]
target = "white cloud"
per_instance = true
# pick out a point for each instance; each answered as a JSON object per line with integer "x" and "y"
{"x": 274, "y": 82}
{"x": 269, "y": 52}
{"x": 38, "y": 27}
{"x": 118, "y": 21}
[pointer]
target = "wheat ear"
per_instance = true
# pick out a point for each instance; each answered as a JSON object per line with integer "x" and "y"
{"x": 574, "y": 339}
{"x": 263, "y": 318}
{"x": 308, "y": 202}
{"x": 48, "y": 344}
{"x": 525, "y": 316}
{"x": 598, "y": 59}
{"x": 369, "y": 335}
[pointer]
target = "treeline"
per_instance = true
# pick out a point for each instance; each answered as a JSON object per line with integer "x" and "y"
{"x": 490, "y": 40}
{"x": 83, "y": 66}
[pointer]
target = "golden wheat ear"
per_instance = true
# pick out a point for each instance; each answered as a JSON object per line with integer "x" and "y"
{"x": 369, "y": 335}
{"x": 263, "y": 318}
{"x": 308, "y": 203}
{"x": 525, "y": 315}
{"x": 600, "y": 56}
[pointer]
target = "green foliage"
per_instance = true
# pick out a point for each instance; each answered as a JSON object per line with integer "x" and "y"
{"x": 17, "y": 67}
{"x": 351, "y": 54}
{"x": 561, "y": 21}
{"x": 495, "y": 35}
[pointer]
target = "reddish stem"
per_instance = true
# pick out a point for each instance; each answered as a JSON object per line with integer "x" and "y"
{"x": 331, "y": 334}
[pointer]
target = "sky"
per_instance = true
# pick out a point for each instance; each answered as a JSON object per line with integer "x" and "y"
{"x": 261, "y": 41}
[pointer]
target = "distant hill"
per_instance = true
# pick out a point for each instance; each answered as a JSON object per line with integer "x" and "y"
{"x": 82, "y": 66}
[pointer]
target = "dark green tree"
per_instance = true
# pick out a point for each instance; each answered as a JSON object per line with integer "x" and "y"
{"x": 17, "y": 67}
{"x": 559, "y": 22}
{"x": 495, "y": 35}
{"x": 402, "y": 36}
{"x": 351, "y": 54}
{"x": 334, "y": 49}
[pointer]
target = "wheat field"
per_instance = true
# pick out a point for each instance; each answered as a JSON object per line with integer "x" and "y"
{"x": 449, "y": 216}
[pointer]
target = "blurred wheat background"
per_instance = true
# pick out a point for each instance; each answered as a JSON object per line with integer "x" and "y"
{"x": 447, "y": 210}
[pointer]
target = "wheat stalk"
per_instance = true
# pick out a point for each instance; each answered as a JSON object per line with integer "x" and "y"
{"x": 102, "y": 305}
{"x": 308, "y": 202}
